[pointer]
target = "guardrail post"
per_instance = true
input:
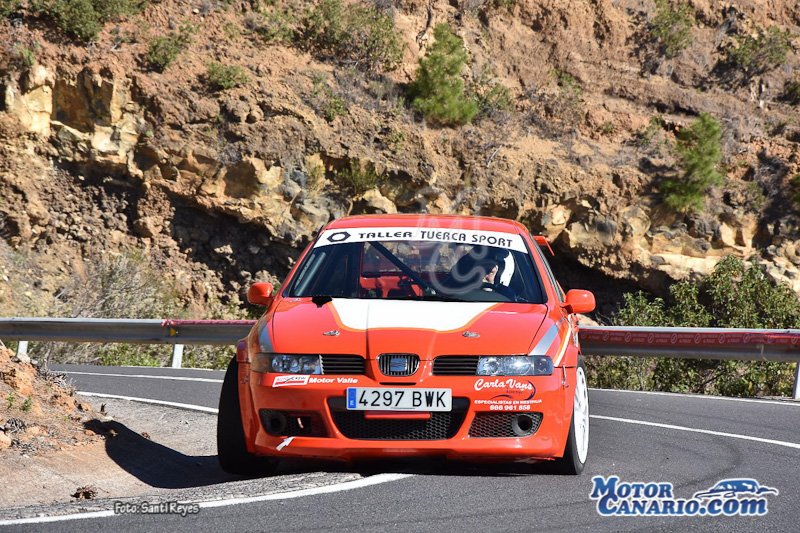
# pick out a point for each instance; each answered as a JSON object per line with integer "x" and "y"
{"x": 796, "y": 394}
{"x": 22, "y": 348}
{"x": 177, "y": 355}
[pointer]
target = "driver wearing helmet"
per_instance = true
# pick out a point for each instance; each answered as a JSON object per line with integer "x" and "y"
{"x": 500, "y": 278}
{"x": 483, "y": 267}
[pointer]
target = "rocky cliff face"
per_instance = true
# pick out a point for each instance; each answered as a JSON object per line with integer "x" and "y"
{"x": 98, "y": 153}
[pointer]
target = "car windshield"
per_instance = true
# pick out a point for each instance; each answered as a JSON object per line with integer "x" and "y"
{"x": 418, "y": 270}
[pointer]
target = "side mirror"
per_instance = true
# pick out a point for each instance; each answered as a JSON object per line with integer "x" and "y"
{"x": 580, "y": 301}
{"x": 261, "y": 294}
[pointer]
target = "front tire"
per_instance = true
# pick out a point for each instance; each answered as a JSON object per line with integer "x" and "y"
{"x": 577, "y": 448}
{"x": 231, "y": 446}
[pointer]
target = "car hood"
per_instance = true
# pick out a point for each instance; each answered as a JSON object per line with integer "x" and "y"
{"x": 372, "y": 327}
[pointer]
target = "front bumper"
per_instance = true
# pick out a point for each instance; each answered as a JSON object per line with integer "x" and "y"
{"x": 472, "y": 397}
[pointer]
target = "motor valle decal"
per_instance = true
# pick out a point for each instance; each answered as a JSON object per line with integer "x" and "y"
{"x": 305, "y": 379}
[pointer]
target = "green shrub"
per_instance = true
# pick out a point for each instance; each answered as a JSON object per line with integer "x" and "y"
{"x": 78, "y": 18}
{"x": 324, "y": 25}
{"x": 794, "y": 182}
{"x": 359, "y": 34}
{"x": 438, "y": 90}
{"x": 377, "y": 42}
{"x": 225, "y": 76}
{"x": 508, "y": 5}
{"x": 396, "y": 139}
{"x": 122, "y": 354}
{"x": 115, "y": 9}
{"x": 671, "y": 26}
{"x": 735, "y": 295}
{"x": 8, "y": 7}
{"x": 276, "y": 25}
{"x": 756, "y": 55}
{"x": 652, "y": 136}
{"x": 755, "y": 195}
{"x": 84, "y": 19}
{"x": 163, "y": 51}
{"x": 358, "y": 178}
{"x": 27, "y": 405}
{"x": 315, "y": 179}
{"x": 124, "y": 286}
{"x": 699, "y": 151}
{"x": 334, "y": 107}
{"x": 325, "y": 101}
{"x": 26, "y": 56}
{"x": 557, "y": 106}
{"x": 792, "y": 92}
{"x": 231, "y": 31}
{"x": 489, "y": 94}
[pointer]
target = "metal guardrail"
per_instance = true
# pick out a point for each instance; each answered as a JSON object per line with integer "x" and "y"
{"x": 138, "y": 331}
{"x": 681, "y": 343}
{"x": 693, "y": 343}
{"x": 776, "y": 345}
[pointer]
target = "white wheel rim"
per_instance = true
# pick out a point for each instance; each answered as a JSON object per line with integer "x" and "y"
{"x": 580, "y": 415}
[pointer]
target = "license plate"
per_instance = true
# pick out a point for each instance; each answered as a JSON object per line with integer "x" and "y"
{"x": 387, "y": 399}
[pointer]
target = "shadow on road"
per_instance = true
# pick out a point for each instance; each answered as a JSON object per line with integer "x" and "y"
{"x": 442, "y": 467}
{"x": 421, "y": 466}
{"x": 162, "y": 467}
{"x": 156, "y": 464}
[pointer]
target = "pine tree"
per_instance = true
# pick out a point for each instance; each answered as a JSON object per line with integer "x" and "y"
{"x": 699, "y": 152}
{"x": 438, "y": 90}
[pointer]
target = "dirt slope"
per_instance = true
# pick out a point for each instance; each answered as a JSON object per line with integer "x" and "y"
{"x": 101, "y": 153}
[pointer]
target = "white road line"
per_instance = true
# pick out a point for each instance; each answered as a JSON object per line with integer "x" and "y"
{"x": 788, "y": 401}
{"x": 695, "y": 430}
{"x": 157, "y": 402}
{"x": 339, "y": 487}
{"x": 177, "y": 378}
{"x": 328, "y": 489}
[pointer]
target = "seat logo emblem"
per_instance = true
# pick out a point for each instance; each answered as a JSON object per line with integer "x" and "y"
{"x": 398, "y": 364}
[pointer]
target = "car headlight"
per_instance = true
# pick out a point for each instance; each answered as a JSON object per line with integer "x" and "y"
{"x": 515, "y": 365}
{"x": 286, "y": 363}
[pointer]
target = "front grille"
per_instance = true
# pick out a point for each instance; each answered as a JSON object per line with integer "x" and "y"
{"x": 398, "y": 364}
{"x": 456, "y": 365}
{"x": 292, "y": 423}
{"x": 343, "y": 364}
{"x": 488, "y": 425}
{"x": 441, "y": 426}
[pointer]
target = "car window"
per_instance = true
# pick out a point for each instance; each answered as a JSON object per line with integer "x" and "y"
{"x": 559, "y": 291}
{"x": 326, "y": 273}
{"x": 417, "y": 269}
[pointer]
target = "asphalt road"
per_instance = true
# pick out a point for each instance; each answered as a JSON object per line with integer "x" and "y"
{"x": 690, "y": 441}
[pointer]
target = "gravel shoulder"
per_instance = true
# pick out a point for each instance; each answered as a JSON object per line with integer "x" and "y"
{"x": 147, "y": 453}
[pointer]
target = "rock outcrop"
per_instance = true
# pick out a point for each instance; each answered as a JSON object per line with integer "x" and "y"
{"x": 101, "y": 154}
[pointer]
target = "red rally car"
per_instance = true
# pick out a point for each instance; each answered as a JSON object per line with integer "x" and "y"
{"x": 411, "y": 335}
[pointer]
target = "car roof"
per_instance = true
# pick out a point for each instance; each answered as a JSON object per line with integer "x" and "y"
{"x": 433, "y": 221}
